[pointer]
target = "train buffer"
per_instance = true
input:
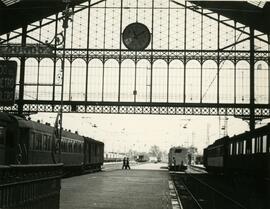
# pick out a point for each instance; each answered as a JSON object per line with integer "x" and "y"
{"x": 135, "y": 188}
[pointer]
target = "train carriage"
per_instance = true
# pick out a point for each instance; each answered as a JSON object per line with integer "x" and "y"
{"x": 215, "y": 155}
{"x": 28, "y": 142}
{"x": 93, "y": 153}
{"x": 250, "y": 152}
{"x": 4, "y": 121}
{"x": 247, "y": 153}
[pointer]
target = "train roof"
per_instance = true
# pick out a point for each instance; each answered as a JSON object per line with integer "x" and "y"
{"x": 179, "y": 147}
{"x": 23, "y": 123}
{"x": 261, "y": 130}
{"x": 72, "y": 135}
{"x": 218, "y": 142}
{"x": 93, "y": 140}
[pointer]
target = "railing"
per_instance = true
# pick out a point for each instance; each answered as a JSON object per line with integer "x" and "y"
{"x": 30, "y": 186}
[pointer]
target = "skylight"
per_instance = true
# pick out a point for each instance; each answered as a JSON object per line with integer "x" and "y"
{"x": 257, "y": 3}
{"x": 10, "y": 2}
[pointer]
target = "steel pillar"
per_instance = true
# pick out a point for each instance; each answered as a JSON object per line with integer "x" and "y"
{"x": 252, "y": 82}
{"x": 22, "y": 73}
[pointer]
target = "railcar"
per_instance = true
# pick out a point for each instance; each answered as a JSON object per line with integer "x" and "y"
{"x": 28, "y": 142}
{"x": 4, "y": 121}
{"x": 142, "y": 158}
{"x": 246, "y": 153}
{"x": 215, "y": 155}
{"x": 114, "y": 156}
{"x": 93, "y": 154}
{"x": 178, "y": 158}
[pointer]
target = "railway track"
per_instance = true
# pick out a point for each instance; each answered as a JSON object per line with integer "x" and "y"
{"x": 195, "y": 193}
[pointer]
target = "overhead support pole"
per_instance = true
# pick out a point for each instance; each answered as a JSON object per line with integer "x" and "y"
{"x": 268, "y": 69}
{"x": 185, "y": 57}
{"x": 66, "y": 14}
{"x": 87, "y": 54}
{"x": 152, "y": 48}
{"x": 22, "y": 73}
{"x": 252, "y": 82}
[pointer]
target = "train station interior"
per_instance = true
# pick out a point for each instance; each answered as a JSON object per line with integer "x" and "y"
{"x": 160, "y": 104}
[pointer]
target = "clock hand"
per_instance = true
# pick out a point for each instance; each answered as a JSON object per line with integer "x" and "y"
{"x": 134, "y": 33}
{"x": 141, "y": 33}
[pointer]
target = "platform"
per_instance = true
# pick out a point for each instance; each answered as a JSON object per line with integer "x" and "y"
{"x": 113, "y": 189}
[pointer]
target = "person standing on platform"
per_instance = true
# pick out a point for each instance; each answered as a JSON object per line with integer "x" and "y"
{"x": 127, "y": 164}
{"x": 124, "y": 163}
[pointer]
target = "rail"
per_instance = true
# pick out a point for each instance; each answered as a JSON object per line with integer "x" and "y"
{"x": 208, "y": 197}
{"x": 30, "y": 186}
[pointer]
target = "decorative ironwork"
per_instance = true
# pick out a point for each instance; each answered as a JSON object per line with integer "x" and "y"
{"x": 184, "y": 70}
{"x": 237, "y": 110}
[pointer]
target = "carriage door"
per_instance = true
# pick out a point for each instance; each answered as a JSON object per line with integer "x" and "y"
{"x": 23, "y": 146}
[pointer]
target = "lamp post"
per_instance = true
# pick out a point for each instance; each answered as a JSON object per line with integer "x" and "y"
{"x": 66, "y": 14}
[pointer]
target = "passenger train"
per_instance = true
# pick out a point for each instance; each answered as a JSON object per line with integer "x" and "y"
{"x": 178, "y": 158}
{"x": 27, "y": 142}
{"x": 247, "y": 153}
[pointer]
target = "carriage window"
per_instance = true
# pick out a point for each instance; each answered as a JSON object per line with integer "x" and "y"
{"x": 44, "y": 142}
{"x": 258, "y": 144}
{"x": 38, "y": 141}
{"x": 70, "y": 145}
{"x": 231, "y": 149}
{"x": 81, "y": 148}
{"x": 2, "y": 135}
{"x": 178, "y": 151}
{"x": 31, "y": 139}
{"x": 75, "y": 147}
{"x": 264, "y": 144}
{"x": 49, "y": 142}
{"x": 239, "y": 148}
{"x": 62, "y": 146}
{"x": 237, "y": 145}
{"x": 78, "y": 147}
{"x": 244, "y": 147}
{"x": 253, "y": 145}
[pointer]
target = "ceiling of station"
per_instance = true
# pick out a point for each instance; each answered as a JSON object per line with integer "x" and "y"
{"x": 257, "y": 17}
{"x": 16, "y": 13}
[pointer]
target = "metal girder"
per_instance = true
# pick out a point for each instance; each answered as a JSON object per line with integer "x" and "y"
{"x": 207, "y": 109}
{"x": 152, "y": 55}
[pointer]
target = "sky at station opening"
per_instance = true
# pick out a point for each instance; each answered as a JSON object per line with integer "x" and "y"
{"x": 121, "y": 133}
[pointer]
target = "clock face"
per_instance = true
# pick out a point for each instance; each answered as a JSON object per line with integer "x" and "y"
{"x": 136, "y": 36}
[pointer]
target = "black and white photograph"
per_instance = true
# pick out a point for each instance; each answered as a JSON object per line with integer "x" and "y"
{"x": 134, "y": 104}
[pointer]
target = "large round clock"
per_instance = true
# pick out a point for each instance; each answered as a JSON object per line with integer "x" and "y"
{"x": 136, "y": 36}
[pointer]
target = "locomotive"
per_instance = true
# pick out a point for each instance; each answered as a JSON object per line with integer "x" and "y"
{"x": 247, "y": 153}
{"x": 178, "y": 158}
{"x": 27, "y": 142}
